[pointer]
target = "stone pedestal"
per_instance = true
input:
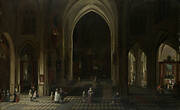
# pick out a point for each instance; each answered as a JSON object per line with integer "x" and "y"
{"x": 41, "y": 89}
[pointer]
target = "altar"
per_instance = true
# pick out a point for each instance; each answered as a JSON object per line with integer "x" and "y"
{"x": 169, "y": 73}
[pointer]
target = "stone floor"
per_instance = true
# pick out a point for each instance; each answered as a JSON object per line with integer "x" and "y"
{"x": 142, "y": 100}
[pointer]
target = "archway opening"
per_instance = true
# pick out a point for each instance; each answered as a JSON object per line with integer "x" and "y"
{"x": 137, "y": 68}
{"x": 168, "y": 67}
{"x": 91, "y": 48}
{"x": 28, "y": 69}
{"x": 4, "y": 63}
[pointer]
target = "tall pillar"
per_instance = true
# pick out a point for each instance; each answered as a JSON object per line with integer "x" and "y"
{"x": 12, "y": 72}
{"x": 41, "y": 25}
{"x": 41, "y": 70}
{"x": 53, "y": 66}
{"x": 69, "y": 58}
{"x": 123, "y": 50}
{"x": 62, "y": 58}
{"x": 115, "y": 68}
{"x": 151, "y": 69}
{"x": 12, "y": 62}
{"x": 179, "y": 44}
{"x": 18, "y": 73}
{"x": 178, "y": 67}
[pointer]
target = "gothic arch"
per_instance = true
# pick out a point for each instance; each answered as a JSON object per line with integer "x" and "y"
{"x": 27, "y": 55}
{"x": 73, "y": 14}
{"x": 138, "y": 76}
{"x": 30, "y": 44}
{"x": 12, "y": 61}
{"x": 136, "y": 45}
{"x": 166, "y": 50}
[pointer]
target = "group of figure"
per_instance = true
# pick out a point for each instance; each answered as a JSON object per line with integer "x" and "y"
{"x": 58, "y": 96}
{"x": 4, "y": 96}
{"x": 88, "y": 96}
{"x": 116, "y": 98}
{"x": 16, "y": 95}
{"x": 33, "y": 94}
{"x": 175, "y": 91}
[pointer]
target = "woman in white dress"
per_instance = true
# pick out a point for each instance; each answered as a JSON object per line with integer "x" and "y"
{"x": 35, "y": 95}
{"x": 56, "y": 96}
{"x": 90, "y": 93}
{"x": 30, "y": 94}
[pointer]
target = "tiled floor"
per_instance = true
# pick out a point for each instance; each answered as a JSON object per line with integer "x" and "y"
{"x": 133, "y": 102}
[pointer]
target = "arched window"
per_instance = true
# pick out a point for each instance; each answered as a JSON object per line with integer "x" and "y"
{"x": 137, "y": 68}
{"x": 168, "y": 66}
{"x": 165, "y": 52}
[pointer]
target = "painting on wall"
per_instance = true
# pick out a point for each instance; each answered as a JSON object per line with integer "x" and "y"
{"x": 169, "y": 69}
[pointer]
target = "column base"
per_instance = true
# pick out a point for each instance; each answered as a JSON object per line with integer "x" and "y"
{"x": 12, "y": 88}
{"x": 41, "y": 90}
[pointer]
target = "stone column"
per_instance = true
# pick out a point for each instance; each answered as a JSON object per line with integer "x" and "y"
{"x": 41, "y": 27}
{"x": 53, "y": 66}
{"x": 62, "y": 58}
{"x": 123, "y": 50}
{"x": 115, "y": 68}
{"x": 178, "y": 65}
{"x": 151, "y": 69}
{"x": 18, "y": 73}
{"x": 69, "y": 57}
{"x": 179, "y": 44}
{"x": 12, "y": 72}
{"x": 41, "y": 69}
{"x": 12, "y": 62}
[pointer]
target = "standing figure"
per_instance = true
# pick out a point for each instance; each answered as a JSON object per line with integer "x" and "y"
{"x": 7, "y": 96}
{"x": 56, "y": 96}
{"x": 3, "y": 95}
{"x": 61, "y": 95}
{"x": 30, "y": 94}
{"x": 35, "y": 95}
{"x": 90, "y": 93}
{"x": 116, "y": 98}
{"x": 52, "y": 95}
{"x": 15, "y": 96}
{"x": 84, "y": 96}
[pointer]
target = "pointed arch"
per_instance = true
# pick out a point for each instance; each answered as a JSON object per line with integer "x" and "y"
{"x": 29, "y": 44}
{"x": 72, "y": 15}
{"x": 12, "y": 61}
{"x": 138, "y": 76}
{"x": 166, "y": 51}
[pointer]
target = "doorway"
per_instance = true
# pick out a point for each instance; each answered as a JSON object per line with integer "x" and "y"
{"x": 28, "y": 69}
{"x": 91, "y": 48}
